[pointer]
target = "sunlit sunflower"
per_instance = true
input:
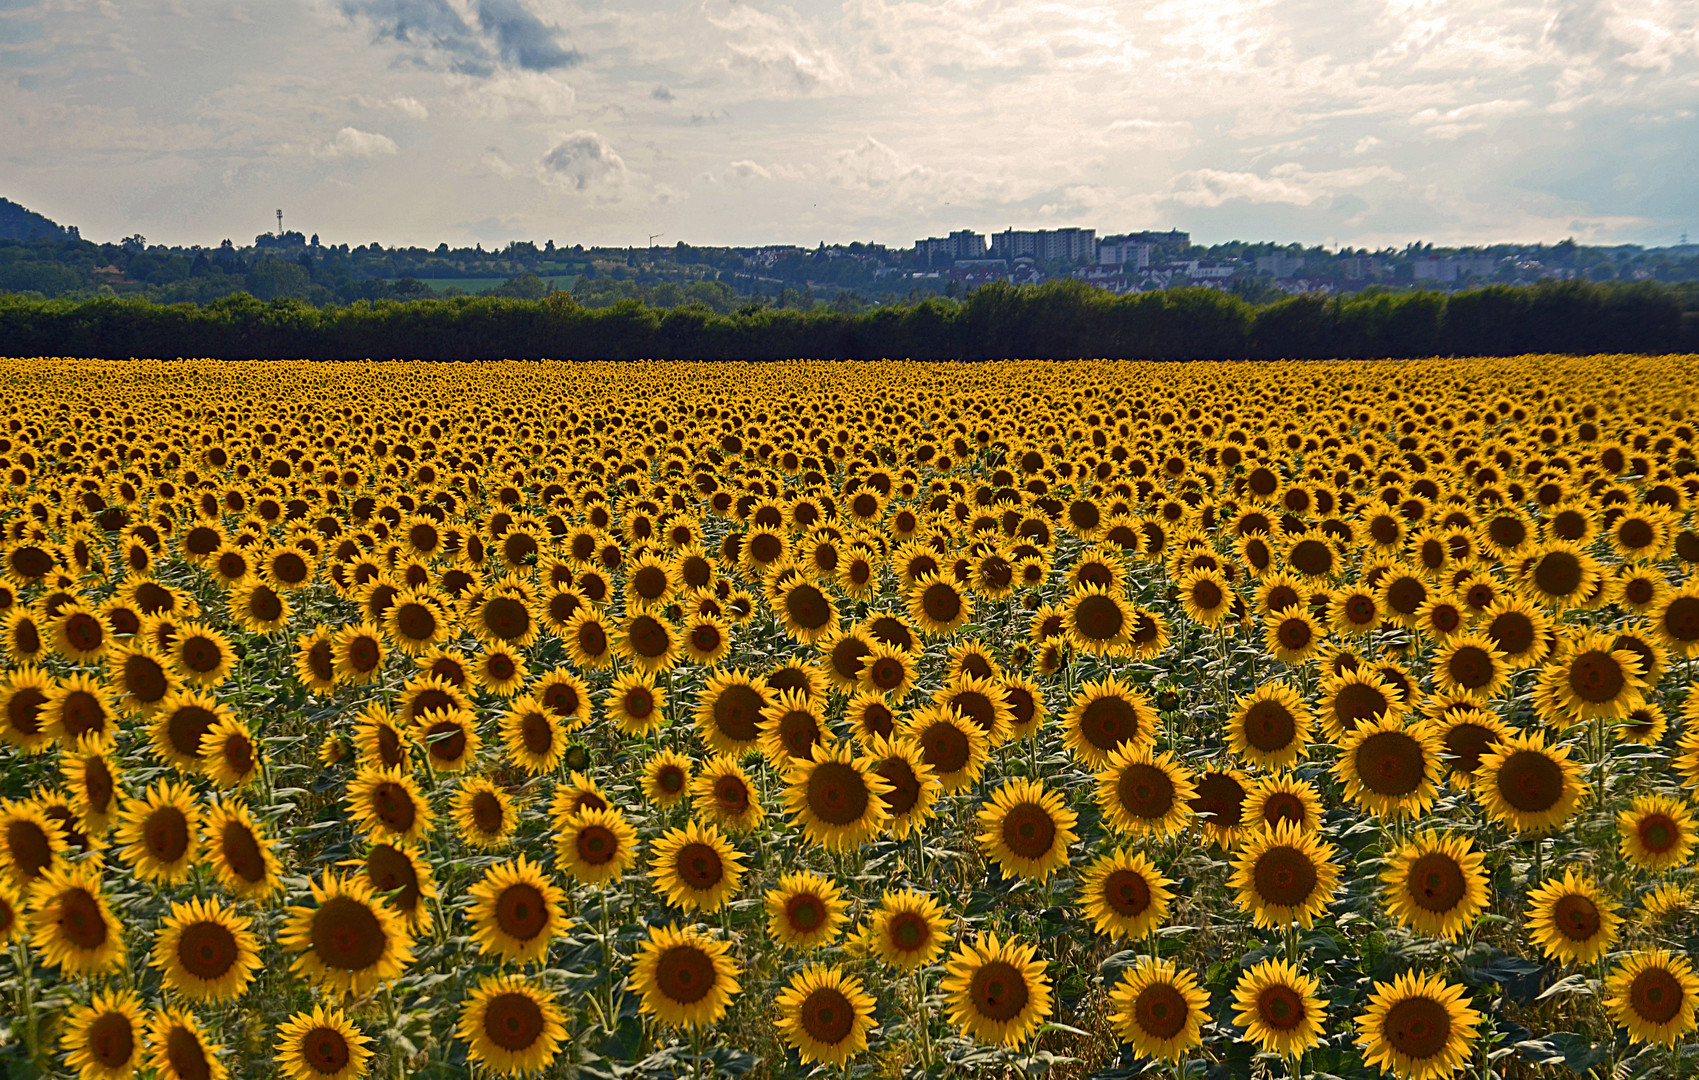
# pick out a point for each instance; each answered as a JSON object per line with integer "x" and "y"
{"x": 887, "y": 671}
{"x": 1417, "y": 1026}
{"x": 635, "y": 704}
{"x": 1559, "y": 574}
{"x": 348, "y": 941}
{"x": 723, "y": 793}
{"x": 203, "y": 655}
{"x": 996, "y": 991}
{"x": 1158, "y": 1009}
{"x": 1571, "y": 919}
{"x": 1124, "y": 894}
{"x": 322, "y": 1045}
{"x": 71, "y": 924}
{"x": 1098, "y": 620}
{"x": 1270, "y": 726}
{"x": 79, "y": 713}
{"x": 595, "y": 845}
{"x": 315, "y": 660}
{"x": 387, "y": 804}
{"x": 179, "y": 1050}
{"x": 499, "y": 668}
{"x": 1026, "y": 830}
{"x": 1356, "y": 697}
{"x": 159, "y": 834}
{"x": 1468, "y": 665}
{"x": 791, "y": 727}
{"x": 380, "y": 742}
{"x": 229, "y": 756}
{"x": 357, "y": 652}
{"x": 1292, "y": 637}
{"x": 1435, "y": 885}
{"x": 824, "y": 1014}
{"x": 1390, "y": 767}
{"x": 206, "y": 951}
{"x": 1656, "y": 832}
{"x": 515, "y": 911}
{"x": 695, "y": 867}
{"x": 104, "y": 1039}
{"x": 806, "y": 611}
{"x": 484, "y": 814}
{"x": 728, "y": 711}
{"x": 686, "y": 979}
{"x": 1108, "y": 715}
{"x": 1653, "y": 995}
{"x": 1277, "y": 1005}
{"x": 181, "y": 723}
{"x": 913, "y": 787}
{"x": 1145, "y": 793}
{"x": 804, "y": 910}
{"x": 1465, "y": 736}
{"x": 532, "y": 736}
{"x": 78, "y": 634}
{"x": 93, "y": 782}
{"x": 1676, "y": 622}
{"x": 1443, "y": 617}
{"x": 1283, "y": 797}
{"x": 1220, "y": 804}
{"x": 1590, "y": 680}
{"x": 511, "y": 1026}
{"x": 836, "y": 797}
{"x": 938, "y": 605}
{"x": 503, "y": 615}
{"x": 666, "y": 778}
{"x": 954, "y": 747}
{"x": 1528, "y": 786}
{"x": 450, "y": 739}
{"x": 23, "y": 699}
{"x": 1284, "y": 875}
{"x": 1206, "y": 596}
{"x": 257, "y": 606}
{"x": 907, "y": 929}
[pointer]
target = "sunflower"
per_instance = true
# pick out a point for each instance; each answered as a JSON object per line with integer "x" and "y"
{"x": 257, "y": 607}
{"x": 666, "y": 778}
{"x": 25, "y": 637}
{"x": 357, "y": 653}
{"x": 181, "y": 724}
{"x": 511, "y": 1026}
{"x": 589, "y": 639}
{"x": 380, "y": 742}
{"x": 160, "y": 833}
{"x": 1098, "y": 621}
{"x": 1418, "y": 1026}
{"x": 728, "y": 711}
{"x": 1108, "y": 715}
{"x": 322, "y": 1045}
{"x": 1026, "y": 830}
{"x": 1145, "y": 793}
{"x": 1528, "y": 786}
{"x": 1571, "y": 919}
{"x": 1653, "y": 995}
{"x": 907, "y": 929}
{"x": 1283, "y": 797}
{"x": 228, "y": 755}
{"x": 824, "y": 1014}
{"x": 203, "y": 655}
{"x": 595, "y": 845}
{"x": 71, "y": 925}
{"x": 695, "y": 868}
{"x": 1435, "y": 885}
{"x": 532, "y": 735}
{"x": 1356, "y": 697}
{"x": 1206, "y": 596}
{"x": 836, "y": 797}
{"x": 484, "y": 814}
{"x": 1284, "y": 875}
{"x": 887, "y": 671}
{"x": 996, "y": 991}
{"x": 1124, "y": 894}
{"x": 791, "y": 727}
{"x": 1593, "y": 680}
{"x": 1389, "y": 767}
{"x": 1656, "y": 832}
{"x": 1292, "y": 637}
{"x": 636, "y": 704}
{"x": 1158, "y": 1008}
{"x": 1220, "y": 804}
{"x": 955, "y": 748}
{"x": 1559, "y": 574}
{"x": 499, "y": 669}
{"x": 686, "y": 979}
{"x": 79, "y": 713}
{"x": 315, "y": 660}
{"x": 806, "y": 611}
{"x": 503, "y": 615}
{"x": 1276, "y": 1004}
{"x": 450, "y": 738}
{"x": 724, "y": 793}
{"x": 348, "y": 941}
{"x": 23, "y": 698}
{"x": 92, "y": 780}
{"x": 402, "y": 877}
{"x": 386, "y": 804}
{"x": 1468, "y": 665}
{"x": 103, "y": 1040}
{"x": 1676, "y": 622}
{"x": 141, "y": 678}
{"x": 1270, "y": 726}
{"x": 938, "y": 605}
{"x": 206, "y": 951}
{"x": 515, "y": 911}
{"x": 804, "y": 911}
{"x": 179, "y": 1050}
{"x": 913, "y": 788}
{"x": 79, "y": 635}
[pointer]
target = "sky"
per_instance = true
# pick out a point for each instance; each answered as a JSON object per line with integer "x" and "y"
{"x": 1360, "y": 123}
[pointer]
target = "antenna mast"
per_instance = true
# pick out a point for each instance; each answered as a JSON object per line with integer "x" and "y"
{"x": 280, "y": 223}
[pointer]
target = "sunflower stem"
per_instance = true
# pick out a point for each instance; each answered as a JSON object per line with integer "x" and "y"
{"x": 26, "y": 975}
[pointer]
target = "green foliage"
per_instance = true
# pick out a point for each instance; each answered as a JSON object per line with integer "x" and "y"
{"x": 620, "y": 320}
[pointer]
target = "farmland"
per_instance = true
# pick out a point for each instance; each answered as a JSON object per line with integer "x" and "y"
{"x": 867, "y": 719}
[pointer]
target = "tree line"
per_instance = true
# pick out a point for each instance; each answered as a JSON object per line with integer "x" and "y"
{"x": 1057, "y": 320}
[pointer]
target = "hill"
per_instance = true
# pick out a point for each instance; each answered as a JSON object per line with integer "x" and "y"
{"x": 18, "y": 223}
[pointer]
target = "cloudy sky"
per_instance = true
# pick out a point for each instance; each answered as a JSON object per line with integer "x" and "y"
{"x": 1344, "y": 122}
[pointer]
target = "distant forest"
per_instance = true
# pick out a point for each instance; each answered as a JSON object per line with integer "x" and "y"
{"x": 1058, "y": 320}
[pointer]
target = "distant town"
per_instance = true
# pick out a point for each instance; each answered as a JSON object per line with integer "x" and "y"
{"x": 40, "y": 257}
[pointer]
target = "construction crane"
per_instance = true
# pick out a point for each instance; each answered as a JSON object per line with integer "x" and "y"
{"x": 654, "y": 236}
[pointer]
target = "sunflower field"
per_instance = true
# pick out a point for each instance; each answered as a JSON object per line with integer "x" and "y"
{"x": 869, "y": 719}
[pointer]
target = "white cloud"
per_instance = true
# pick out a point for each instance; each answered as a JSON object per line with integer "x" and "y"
{"x": 584, "y": 161}
{"x": 351, "y": 142}
{"x": 1289, "y": 184}
{"x": 410, "y": 106}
